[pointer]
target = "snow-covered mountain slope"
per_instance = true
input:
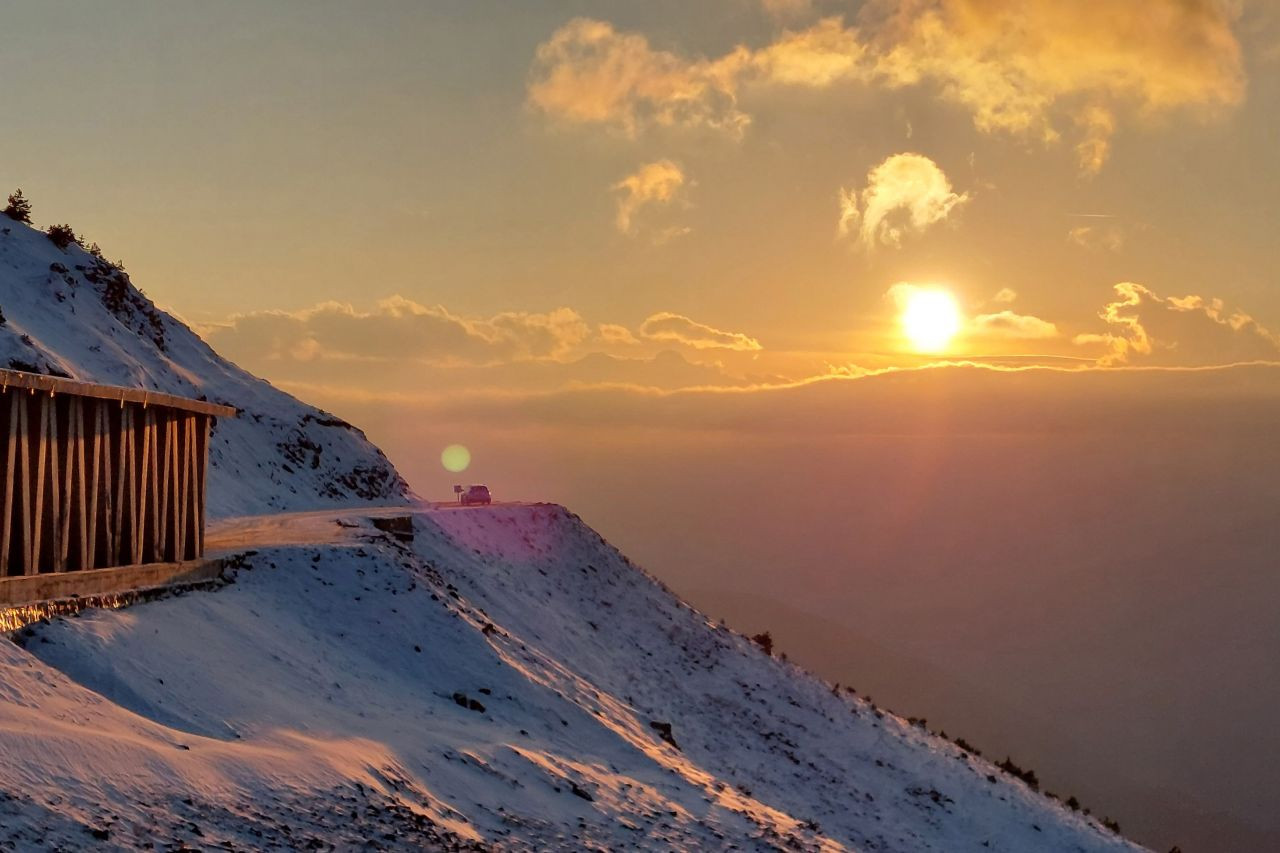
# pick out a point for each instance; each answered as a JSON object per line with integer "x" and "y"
{"x": 508, "y": 679}
{"x": 70, "y": 313}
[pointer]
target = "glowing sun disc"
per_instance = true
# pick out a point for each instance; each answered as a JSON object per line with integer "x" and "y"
{"x": 930, "y": 319}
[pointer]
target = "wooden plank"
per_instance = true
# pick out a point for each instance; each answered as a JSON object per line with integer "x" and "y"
{"x": 139, "y": 512}
{"x": 182, "y": 452}
{"x": 164, "y": 497}
{"x": 42, "y": 451}
{"x": 80, "y": 483}
{"x": 68, "y": 504}
{"x": 124, "y": 488}
{"x": 54, "y": 447}
{"x": 193, "y": 475}
{"x": 11, "y": 458}
{"x": 108, "y": 509}
{"x": 93, "y": 484}
{"x": 202, "y": 461}
{"x": 41, "y": 383}
{"x": 193, "y": 507}
{"x": 25, "y": 481}
{"x": 64, "y": 585}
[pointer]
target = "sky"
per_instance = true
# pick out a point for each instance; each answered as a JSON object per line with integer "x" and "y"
{"x": 905, "y": 318}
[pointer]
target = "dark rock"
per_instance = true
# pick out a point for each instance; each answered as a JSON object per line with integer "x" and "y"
{"x": 664, "y": 732}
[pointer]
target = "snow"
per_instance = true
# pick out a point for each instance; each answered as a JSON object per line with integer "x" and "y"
{"x": 506, "y": 680}
{"x": 326, "y": 675}
{"x": 70, "y": 313}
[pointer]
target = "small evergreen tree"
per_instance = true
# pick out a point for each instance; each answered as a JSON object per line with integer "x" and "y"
{"x": 19, "y": 208}
{"x": 764, "y": 641}
{"x": 62, "y": 235}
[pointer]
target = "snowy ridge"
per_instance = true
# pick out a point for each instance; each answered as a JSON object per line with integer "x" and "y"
{"x": 70, "y": 313}
{"x": 508, "y": 680}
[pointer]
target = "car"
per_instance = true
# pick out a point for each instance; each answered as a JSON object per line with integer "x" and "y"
{"x": 476, "y": 496}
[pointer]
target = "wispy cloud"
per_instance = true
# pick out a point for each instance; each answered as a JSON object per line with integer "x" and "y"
{"x": 907, "y": 193}
{"x": 1010, "y": 324}
{"x": 1108, "y": 237}
{"x": 588, "y": 73}
{"x": 655, "y": 184}
{"x": 677, "y": 328}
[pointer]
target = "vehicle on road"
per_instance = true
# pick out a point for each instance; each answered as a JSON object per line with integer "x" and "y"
{"x": 476, "y": 496}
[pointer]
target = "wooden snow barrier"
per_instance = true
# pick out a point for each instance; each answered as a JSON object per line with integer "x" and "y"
{"x": 104, "y": 488}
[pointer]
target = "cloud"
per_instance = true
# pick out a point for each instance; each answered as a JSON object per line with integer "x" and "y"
{"x": 787, "y": 9}
{"x": 399, "y": 329}
{"x": 1025, "y": 67}
{"x": 588, "y": 73}
{"x": 1095, "y": 237}
{"x": 1189, "y": 330}
{"x": 654, "y": 184}
{"x": 677, "y": 328}
{"x": 401, "y": 346}
{"x": 907, "y": 193}
{"x": 611, "y": 334}
{"x": 966, "y": 399}
{"x": 1015, "y": 64}
{"x": 826, "y": 53}
{"x": 1006, "y": 294}
{"x": 1096, "y": 123}
{"x": 1007, "y": 324}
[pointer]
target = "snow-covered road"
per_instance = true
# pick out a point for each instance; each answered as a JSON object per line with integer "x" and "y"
{"x": 317, "y": 527}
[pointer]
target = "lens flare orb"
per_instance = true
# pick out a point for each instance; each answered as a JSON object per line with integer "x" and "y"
{"x": 455, "y": 458}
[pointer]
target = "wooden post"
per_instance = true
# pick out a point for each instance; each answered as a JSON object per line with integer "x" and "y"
{"x": 168, "y": 492}
{"x": 11, "y": 458}
{"x": 90, "y": 537}
{"x": 202, "y": 489}
{"x": 72, "y": 490}
{"x": 25, "y": 483}
{"x": 42, "y": 453}
{"x": 124, "y": 484}
{"x": 148, "y": 474}
{"x": 184, "y": 485}
{"x": 81, "y": 483}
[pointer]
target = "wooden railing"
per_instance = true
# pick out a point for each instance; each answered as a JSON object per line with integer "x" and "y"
{"x": 98, "y": 477}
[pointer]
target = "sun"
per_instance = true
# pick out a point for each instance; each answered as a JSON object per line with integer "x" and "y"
{"x": 930, "y": 319}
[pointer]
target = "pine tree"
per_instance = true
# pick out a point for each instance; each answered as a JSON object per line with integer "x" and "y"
{"x": 62, "y": 235}
{"x": 19, "y": 208}
{"x": 764, "y": 641}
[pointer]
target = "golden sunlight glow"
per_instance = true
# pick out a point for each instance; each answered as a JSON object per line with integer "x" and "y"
{"x": 930, "y": 319}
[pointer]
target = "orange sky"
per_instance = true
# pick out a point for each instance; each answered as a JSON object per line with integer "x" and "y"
{"x": 649, "y": 259}
{"x": 410, "y": 202}
{"x": 665, "y": 196}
